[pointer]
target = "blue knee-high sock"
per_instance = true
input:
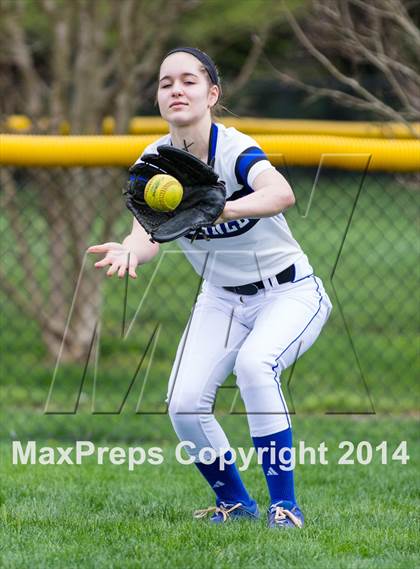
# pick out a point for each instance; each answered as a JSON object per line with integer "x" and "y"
{"x": 280, "y": 482}
{"x": 227, "y": 483}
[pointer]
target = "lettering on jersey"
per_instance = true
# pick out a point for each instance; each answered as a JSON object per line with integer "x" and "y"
{"x": 229, "y": 229}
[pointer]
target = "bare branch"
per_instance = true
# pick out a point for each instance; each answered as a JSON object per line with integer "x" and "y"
{"x": 394, "y": 11}
{"x": 346, "y": 99}
{"x": 329, "y": 66}
{"x": 154, "y": 44}
{"x": 19, "y": 52}
{"x": 61, "y": 76}
{"x": 365, "y": 36}
{"x": 376, "y": 58}
{"x": 258, "y": 42}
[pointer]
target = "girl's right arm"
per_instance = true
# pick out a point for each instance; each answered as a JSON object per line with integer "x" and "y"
{"x": 136, "y": 249}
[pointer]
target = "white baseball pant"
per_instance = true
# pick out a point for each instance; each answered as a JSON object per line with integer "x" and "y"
{"x": 257, "y": 337}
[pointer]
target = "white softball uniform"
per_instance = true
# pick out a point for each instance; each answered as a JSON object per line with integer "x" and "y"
{"x": 255, "y": 336}
{"x": 245, "y": 250}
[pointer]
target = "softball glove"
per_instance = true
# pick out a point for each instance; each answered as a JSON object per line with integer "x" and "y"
{"x": 203, "y": 199}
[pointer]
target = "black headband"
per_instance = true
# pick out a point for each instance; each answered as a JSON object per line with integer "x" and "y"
{"x": 205, "y": 59}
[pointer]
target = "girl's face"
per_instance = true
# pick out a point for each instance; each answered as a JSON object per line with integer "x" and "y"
{"x": 184, "y": 94}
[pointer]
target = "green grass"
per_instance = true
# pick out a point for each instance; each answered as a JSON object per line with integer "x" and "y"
{"x": 105, "y": 516}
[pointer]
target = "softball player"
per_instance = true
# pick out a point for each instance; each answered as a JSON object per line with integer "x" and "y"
{"x": 260, "y": 307}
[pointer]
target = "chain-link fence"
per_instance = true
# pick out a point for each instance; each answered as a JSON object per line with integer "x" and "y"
{"x": 75, "y": 342}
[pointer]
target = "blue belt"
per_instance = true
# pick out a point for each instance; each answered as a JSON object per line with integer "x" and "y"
{"x": 285, "y": 276}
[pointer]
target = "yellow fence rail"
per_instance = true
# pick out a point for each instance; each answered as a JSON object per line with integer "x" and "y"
{"x": 302, "y": 150}
{"x": 155, "y": 125}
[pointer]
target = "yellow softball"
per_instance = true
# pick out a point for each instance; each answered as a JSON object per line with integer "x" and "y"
{"x": 163, "y": 192}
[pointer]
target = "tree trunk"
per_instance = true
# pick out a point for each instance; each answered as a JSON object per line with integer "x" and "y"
{"x": 98, "y": 53}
